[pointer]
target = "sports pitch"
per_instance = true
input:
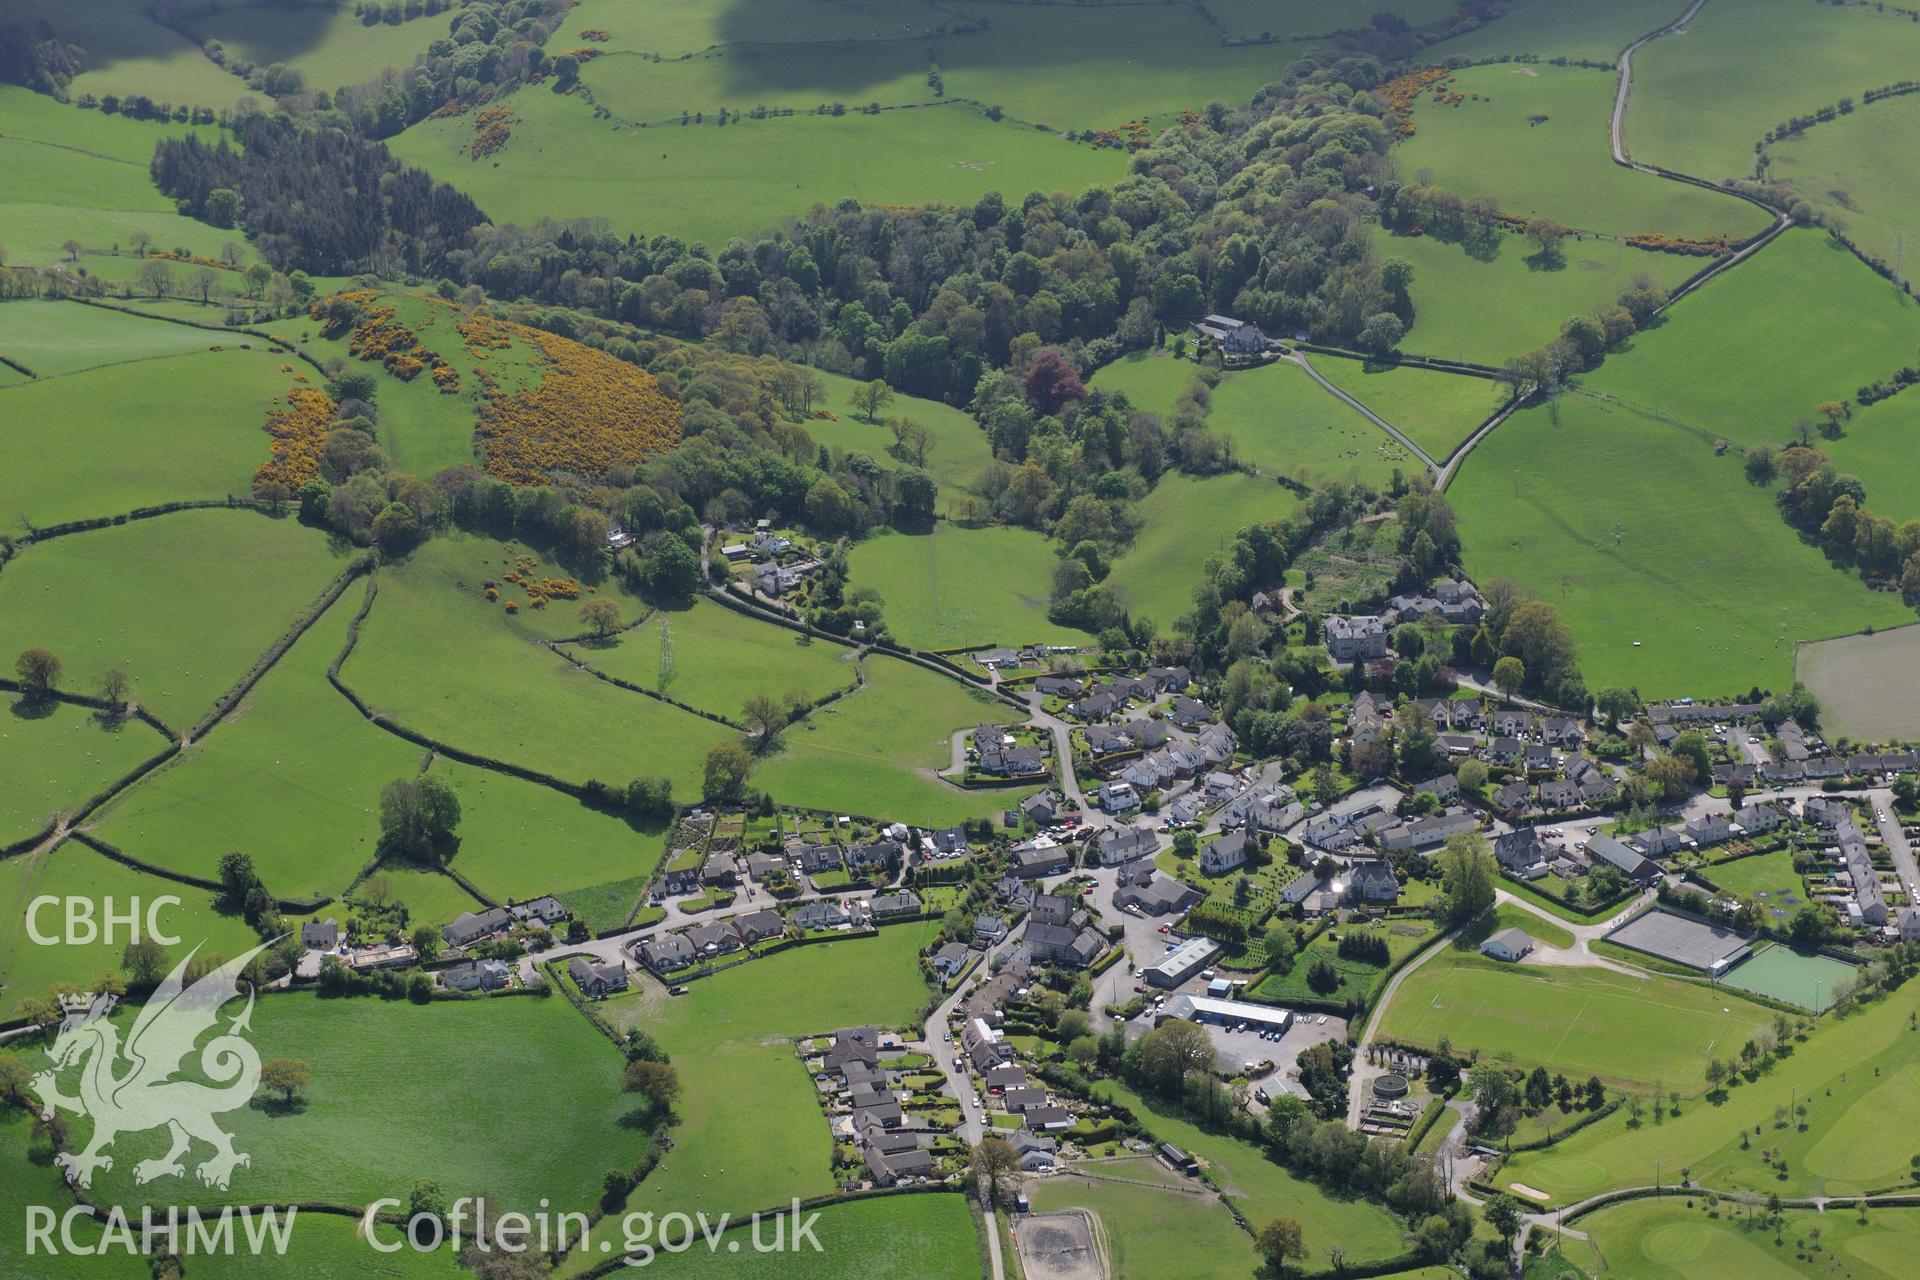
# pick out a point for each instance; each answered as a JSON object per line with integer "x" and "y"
{"x": 1693, "y": 943}
{"x": 1781, "y": 973}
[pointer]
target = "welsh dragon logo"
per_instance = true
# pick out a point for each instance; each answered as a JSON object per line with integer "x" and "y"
{"x": 135, "y": 1087}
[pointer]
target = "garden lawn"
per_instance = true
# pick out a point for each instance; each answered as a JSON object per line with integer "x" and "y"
{"x": 960, "y": 587}
{"x": 909, "y": 1237}
{"x": 1734, "y": 360}
{"x": 52, "y": 338}
{"x": 519, "y": 840}
{"x": 1533, "y": 140}
{"x": 547, "y": 1082}
{"x": 958, "y": 454}
{"x": 55, "y": 755}
{"x": 708, "y": 183}
{"x": 118, "y": 438}
{"x": 1852, "y": 169}
{"x": 1438, "y": 411}
{"x": 1703, "y": 100}
{"x": 1154, "y": 1231}
{"x": 507, "y": 697}
{"x": 1768, "y": 878}
{"x": 1858, "y": 1075}
{"x": 1490, "y": 309}
{"x": 1183, "y": 520}
{"x": 74, "y": 871}
{"x": 185, "y": 603}
{"x": 1564, "y": 28}
{"x": 721, "y": 658}
{"x": 1638, "y": 533}
{"x": 875, "y": 751}
{"x": 1285, "y": 423}
{"x": 1675, "y": 1239}
{"x": 1262, "y": 1190}
{"x": 1629, "y": 1031}
{"x": 291, "y": 777}
{"x": 1151, "y": 380}
{"x": 751, "y": 1133}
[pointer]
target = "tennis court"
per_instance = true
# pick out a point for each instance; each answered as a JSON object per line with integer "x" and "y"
{"x": 1781, "y": 973}
{"x": 1693, "y": 943}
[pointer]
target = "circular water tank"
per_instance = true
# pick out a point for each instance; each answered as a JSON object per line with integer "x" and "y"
{"x": 1391, "y": 1085}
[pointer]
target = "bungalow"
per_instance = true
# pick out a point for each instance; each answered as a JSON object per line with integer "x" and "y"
{"x": 762, "y": 865}
{"x": 476, "y": 975}
{"x": 1359, "y": 638}
{"x": 1000, "y": 1079}
{"x": 879, "y": 855}
{"x": 721, "y": 870}
{"x": 826, "y": 913}
{"x": 1037, "y": 1152}
{"x": 320, "y": 935}
{"x": 545, "y": 910}
{"x": 759, "y": 926}
{"x": 1508, "y": 944}
{"x": 713, "y": 938}
{"x": 852, "y": 1045}
{"x": 1058, "y": 687}
{"x": 597, "y": 979}
{"x": 1147, "y": 734}
{"x": 890, "y": 906}
{"x": 1224, "y": 853}
{"x": 1023, "y": 1098}
{"x": 890, "y": 1170}
{"x": 821, "y": 859}
{"x": 1170, "y": 679}
{"x": 994, "y": 659}
{"x": 666, "y": 951}
{"x": 1456, "y": 744}
{"x": 1187, "y": 712}
{"x": 1123, "y": 844}
{"x": 1630, "y": 863}
{"x": 1047, "y": 1119}
{"x": 471, "y": 927}
{"x": 1094, "y": 707}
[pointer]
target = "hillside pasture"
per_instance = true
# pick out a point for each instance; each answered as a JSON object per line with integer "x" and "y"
{"x": 329, "y": 45}
{"x": 1864, "y": 683}
{"x": 876, "y": 750}
{"x": 549, "y": 1081}
{"x": 707, "y": 183}
{"x": 293, "y": 746}
{"x": 959, "y": 586}
{"x": 959, "y": 451}
{"x": 128, "y": 52}
{"x": 1151, "y": 380}
{"x": 72, "y": 870}
{"x": 1284, "y": 423}
{"x": 1492, "y": 304}
{"x": 671, "y": 29}
{"x": 183, "y": 603}
{"x": 1628, "y": 1030}
{"x": 1733, "y": 360}
{"x": 115, "y": 439}
{"x": 1438, "y": 411}
{"x": 915, "y": 1237}
{"x": 721, "y": 658}
{"x": 1564, "y": 29}
{"x": 641, "y": 91}
{"x": 1853, "y": 169}
{"x": 509, "y": 698}
{"x": 1876, "y": 444}
{"x": 738, "y": 1026}
{"x": 1533, "y": 140}
{"x": 54, "y": 338}
{"x": 54, "y": 755}
{"x": 1703, "y": 100}
{"x": 1185, "y": 519}
{"x": 1666, "y": 563}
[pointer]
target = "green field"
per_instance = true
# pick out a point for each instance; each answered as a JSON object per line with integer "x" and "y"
{"x": 1703, "y": 100}
{"x": 1629, "y": 1031}
{"x": 960, "y": 586}
{"x": 1490, "y": 310}
{"x": 1358, "y": 978}
{"x": 548, "y": 1083}
{"x": 1673, "y": 1239}
{"x": 1876, "y": 444}
{"x": 1151, "y": 380}
{"x": 1533, "y": 140}
{"x": 670, "y": 28}
{"x": 54, "y": 755}
{"x": 1851, "y": 170}
{"x": 1284, "y": 423}
{"x": 1185, "y": 519}
{"x": 520, "y": 840}
{"x": 1859, "y": 1076}
{"x": 721, "y": 658}
{"x": 329, "y": 45}
{"x": 183, "y": 603}
{"x": 74, "y": 871}
{"x": 1862, "y": 683}
{"x": 706, "y": 183}
{"x": 1732, "y": 360}
{"x": 875, "y": 751}
{"x": 53, "y": 338}
{"x": 28, "y": 1177}
{"x": 914, "y": 1237}
{"x": 751, "y": 1134}
{"x": 128, "y": 52}
{"x": 1780, "y": 973}
{"x": 1438, "y": 411}
{"x": 959, "y": 450}
{"x": 508, "y": 697}
{"x": 1641, "y": 534}
{"x": 430, "y": 897}
{"x": 294, "y": 746}
{"x": 113, "y": 439}
{"x": 1263, "y": 1190}
{"x": 1155, "y": 1227}
{"x": 1563, "y": 28}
